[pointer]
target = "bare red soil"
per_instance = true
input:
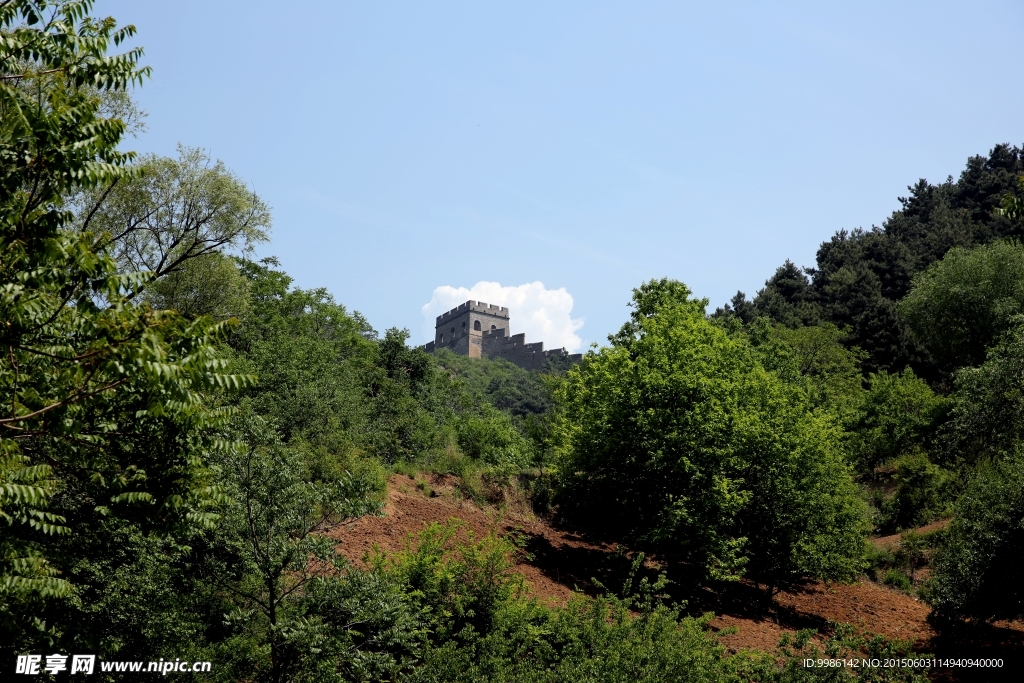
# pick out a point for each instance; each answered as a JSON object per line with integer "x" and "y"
{"x": 559, "y": 562}
{"x": 893, "y": 539}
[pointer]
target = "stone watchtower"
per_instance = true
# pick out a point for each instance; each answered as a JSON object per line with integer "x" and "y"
{"x": 479, "y": 330}
{"x": 462, "y": 329}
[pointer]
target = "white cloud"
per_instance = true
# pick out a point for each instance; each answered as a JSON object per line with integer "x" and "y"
{"x": 542, "y": 313}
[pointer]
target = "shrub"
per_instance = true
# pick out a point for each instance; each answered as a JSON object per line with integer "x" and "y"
{"x": 489, "y": 435}
{"x": 897, "y": 579}
{"x": 633, "y": 637}
{"x": 479, "y": 626}
{"x": 921, "y": 496}
{"x": 787, "y": 664}
{"x": 456, "y": 581}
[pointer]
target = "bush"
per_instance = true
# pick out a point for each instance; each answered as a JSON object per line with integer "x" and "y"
{"x": 921, "y": 496}
{"x": 458, "y": 583}
{"x": 488, "y": 435}
{"x": 896, "y": 579}
{"x": 450, "y": 608}
{"x": 879, "y": 560}
{"x": 631, "y": 638}
{"x": 787, "y": 664}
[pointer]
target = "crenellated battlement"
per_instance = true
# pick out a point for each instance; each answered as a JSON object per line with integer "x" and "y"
{"x": 475, "y": 306}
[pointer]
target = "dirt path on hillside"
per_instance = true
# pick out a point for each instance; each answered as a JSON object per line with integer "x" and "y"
{"x": 560, "y": 561}
{"x": 894, "y": 539}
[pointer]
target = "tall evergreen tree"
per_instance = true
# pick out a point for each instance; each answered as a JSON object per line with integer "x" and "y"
{"x": 859, "y": 275}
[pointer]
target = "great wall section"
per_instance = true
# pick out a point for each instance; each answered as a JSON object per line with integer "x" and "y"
{"x": 480, "y": 330}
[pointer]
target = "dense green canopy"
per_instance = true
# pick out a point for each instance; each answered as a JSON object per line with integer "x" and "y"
{"x": 677, "y": 437}
{"x": 183, "y": 430}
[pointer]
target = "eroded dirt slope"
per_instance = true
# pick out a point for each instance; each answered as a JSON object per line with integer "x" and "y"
{"x": 560, "y": 561}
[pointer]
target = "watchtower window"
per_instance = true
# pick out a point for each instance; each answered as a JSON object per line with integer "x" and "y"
{"x": 476, "y": 324}
{"x": 453, "y": 329}
{"x": 494, "y": 327}
{"x": 463, "y": 324}
{"x": 440, "y": 338}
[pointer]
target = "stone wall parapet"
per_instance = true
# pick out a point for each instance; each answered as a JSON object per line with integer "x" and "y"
{"x": 477, "y": 306}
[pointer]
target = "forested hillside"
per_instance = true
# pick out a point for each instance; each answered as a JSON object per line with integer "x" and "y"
{"x": 185, "y": 433}
{"x": 860, "y": 275}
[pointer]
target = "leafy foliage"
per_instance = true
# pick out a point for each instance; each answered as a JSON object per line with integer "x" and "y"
{"x": 814, "y": 359}
{"x": 490, "y": 436}
{"x": 270, "y": 540}
{"x": 310, "y": 355}
{"x": 210, "y": 285}
{"x": 978, "y": 572}
{"x": 898, "y": 416}
{"x": 922, "y": 493}
{"x": 843, "y": 643}
{"x": 95, "y": 389}
{"x": 861, "y": 275}
{"x": 157, "y": 501}
{"x": 504, "y": 385}
{"x": 484, "y": 629}
{"x": 458, "y": 583}
{"x": 680, "y": 439}
{"x": 171, "y": 211}
{"x": 136, "y": 594}
{"x": 960, "y": 305}
{"x": 987, "y": 404}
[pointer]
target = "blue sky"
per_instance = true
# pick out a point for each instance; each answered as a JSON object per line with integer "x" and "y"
{"x": 589, "y": 146}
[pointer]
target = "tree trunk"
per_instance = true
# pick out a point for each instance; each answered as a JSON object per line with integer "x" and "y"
{"x": 276, "y": 675}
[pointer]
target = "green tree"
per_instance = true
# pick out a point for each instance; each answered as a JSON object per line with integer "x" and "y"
{"x": 209, "y": 285}
{"x": 95, "y": 389}
{"x": 861, "y": 275}
{"x": 813, "y": 358}
{"x": 898, "y": 416}
{"x": 977, "y": 571}
{"x": 787, "y": 298}
{"x": 409, "y": 402}
{"x": 986, "y": 416}
{"x": 960, "y": 305}
{"x": 738, "y": 307}
{"x": 137, "y": 595}
{"x": 922, "y": 493}
{"x": 679, "y": 438}
{"x": 312, "y": 357}
{"x": 525, "y": 395}
{"x": 271, "y": 538}
{"x": 500, "y": 383}
{"x": 1012, "y": 206}
{"x": 327, "y": 378}
{"x": 172, "y": 211}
